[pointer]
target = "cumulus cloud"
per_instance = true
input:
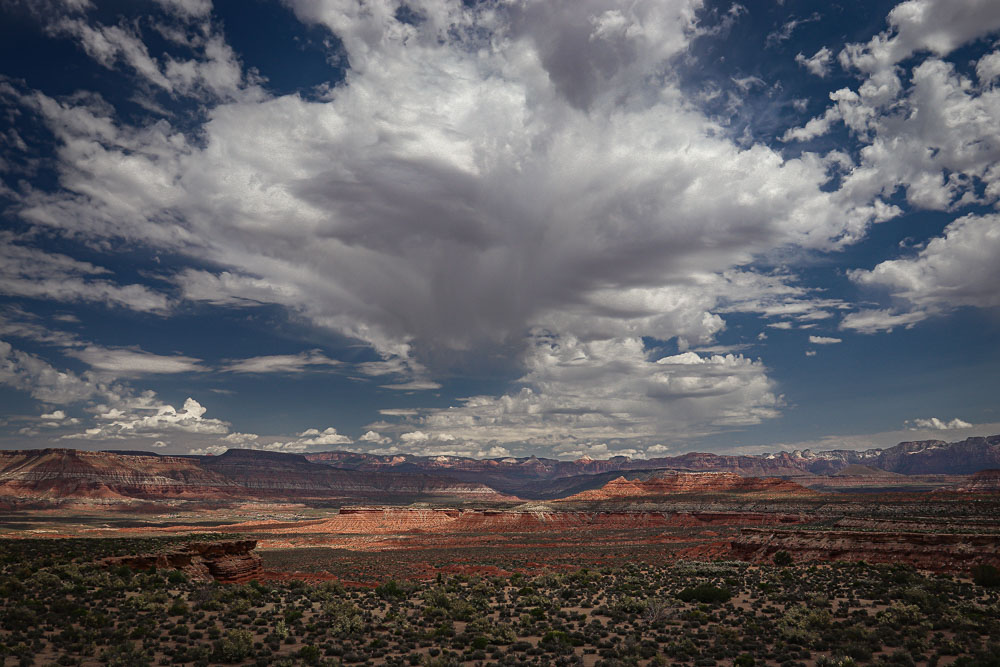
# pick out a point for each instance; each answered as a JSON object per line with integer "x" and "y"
{"x": 824, "y": 340}
{"x": 935, "y": 136}
{"x": 937, "y": 26}
{"x": 937, "y": 424}
{"x": 146, "y": 417}
{"x": 467, "y": 202}
{"x": 957, "y": 269}
{"x": 498, "y": 170}
{"x": 817, "y": 64}
{"x": 310, "y": 439}
{"x": 374, "y": 438}
{"x": 32, "y": 374}
{"x": 591, "y": 391}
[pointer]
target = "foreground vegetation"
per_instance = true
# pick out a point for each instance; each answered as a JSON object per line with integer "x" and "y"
{"x": 60, "y": 607}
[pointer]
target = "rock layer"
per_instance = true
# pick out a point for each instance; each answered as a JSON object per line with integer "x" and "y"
{"x": 111, "y": 477}
{"x": 227, "y": 562}
{"x": 670, "y": 483}
{"x": 929, "y": 551}
{"x": 985, "y": 481}
{"x": 62, "y": 473}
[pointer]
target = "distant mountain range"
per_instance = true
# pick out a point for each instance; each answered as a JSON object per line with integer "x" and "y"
{"x": 52, "y": 474}
{"x": 345, "y": 477}
{"x": 541, "y": 478}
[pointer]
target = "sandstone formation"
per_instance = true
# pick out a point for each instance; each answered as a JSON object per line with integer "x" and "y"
{"x": 669, "y": 483}
{"x": 930, "y": 551}
{"x": 370, "y": 521}
{"x": 227, "y": 562}
{"x": 984, "y": 481}
{"x": 70, "y": 473}
{"x": 281, "y": 475}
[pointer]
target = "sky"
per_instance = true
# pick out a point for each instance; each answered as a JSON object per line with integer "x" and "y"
{"x": 498, "y": 228}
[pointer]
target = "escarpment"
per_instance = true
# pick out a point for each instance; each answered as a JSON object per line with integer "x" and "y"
{"x": 668, "y": 483}
{"x": 985, "y": 481}
{"x": 227, "y": 562}
{"x": 929, "y": 551}
{"x": 69, "y": 475}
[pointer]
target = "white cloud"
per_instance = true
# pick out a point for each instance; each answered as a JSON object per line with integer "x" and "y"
{"x": 436, "y": 209}
{"x": 988, "y": 68}
{"x": 823, "y": 340}
{"x": 503, "y": 169}
{"x": 282, "y": 363}
{"x": 586, "y": 392}
{"x": 375, "y": 438}
{"x": 810, "y": 353}
{"x": 146, "y": 417}
{"x": 132, "y": 362}
{"x": 934, "y": 135}
{"x": 937, "y": 424}
{"x": 210, "y": 450}
{"x": 188, "y": 8}
{"x": 327, "y": 436}
{"x": 957, "y": 269}
{"x": 414, "y": 385}
{"x": 818, "y": 64}
{"x": 212, "y": 73}
{"x": 33, "y": 273}
{"x": 237, "y": 439}
{"x": 869, "y": 321}
{"x": 37, "y": 377}
{"x": 937, "y": 26}
{"x": 55, "y": 415}
{"x": 786, "y": 30}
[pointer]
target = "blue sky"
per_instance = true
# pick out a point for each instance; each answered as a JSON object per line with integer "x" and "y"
{"x": 560, "y": 228}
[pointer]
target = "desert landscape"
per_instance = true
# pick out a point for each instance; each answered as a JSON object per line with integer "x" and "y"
{"x": 264, "y": 558}
{"x": 500, "y": 333}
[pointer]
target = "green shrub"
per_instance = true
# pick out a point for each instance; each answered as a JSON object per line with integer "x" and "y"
{"x": 705, "y": 592}
{"x": 309, "y": 654}
{"x": 236, "y": 646}
{"x": 783, "y": 559}
{"x": 390, "y": 590}
{"x": 986, "y": 576}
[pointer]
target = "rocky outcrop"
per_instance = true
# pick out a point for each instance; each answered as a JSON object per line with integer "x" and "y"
{"x": 227, "y": 562}
{"x": 930, "y": 551}
{"x": 669, "y": 483}
{"x": 370, "y": 521}
{"x": 984, "y": 481}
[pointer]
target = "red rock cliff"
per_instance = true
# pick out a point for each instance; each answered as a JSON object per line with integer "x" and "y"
{"x": 228, "y": 562}
{"x": 673, "y": 483}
